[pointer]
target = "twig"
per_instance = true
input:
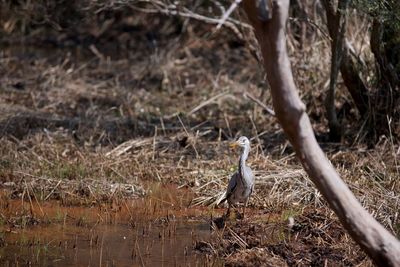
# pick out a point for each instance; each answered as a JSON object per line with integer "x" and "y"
{"x": 311, "y": 22}
{"x": 52, "y": 191}
{"x": 140, "y": 254}
{"x": 95, "y": 51}
{"x": 101, "y": 250}
{"x": 228, "y": 13}
{"x": 228, "y": 125}
{"x": 30, "y": 199}
{"x": 186, "y": 13}
{"x": 261, "y": 104}
{"x": 389, "y": 121}
{"x": 154, "y": 142}
{"x": 256, "y": 136}
{"x": 207, "y": 102}
{"x": 238, "y": 239}
{"x": 188, "y": 136}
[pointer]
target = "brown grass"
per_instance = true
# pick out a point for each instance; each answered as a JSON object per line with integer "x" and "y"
{"x": 102, "y": 121}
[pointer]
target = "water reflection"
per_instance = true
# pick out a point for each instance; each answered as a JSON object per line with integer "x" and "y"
{"x": 159, "y": 230}
{"x": 105, "y": 245}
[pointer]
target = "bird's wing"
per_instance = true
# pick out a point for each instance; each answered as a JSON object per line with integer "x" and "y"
{"x": 248, "y": 175}
{"x": 231, "y": 188}
{"x": 232, "y": 184}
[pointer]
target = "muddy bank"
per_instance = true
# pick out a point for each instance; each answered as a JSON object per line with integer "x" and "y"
{"x": 277, "y": 240}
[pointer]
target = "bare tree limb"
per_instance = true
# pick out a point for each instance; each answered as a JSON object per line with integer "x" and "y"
{"x": 162, "y": 7}
{"x": 354, "y": 84}
{"x": 376, "y": 241}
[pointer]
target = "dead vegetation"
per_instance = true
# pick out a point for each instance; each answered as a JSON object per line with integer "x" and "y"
{"x": 314, "y": 240}
{"x": 103, "y": 119}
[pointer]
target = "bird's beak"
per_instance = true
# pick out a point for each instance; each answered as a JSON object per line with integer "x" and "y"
{"x": 233, "y": 145}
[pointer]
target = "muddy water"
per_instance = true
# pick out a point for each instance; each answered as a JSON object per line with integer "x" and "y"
{"x": 156, "y": 231}
{"x": 104, "y": 245}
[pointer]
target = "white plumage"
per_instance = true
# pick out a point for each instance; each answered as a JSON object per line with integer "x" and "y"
{"x": 241, "y": 184}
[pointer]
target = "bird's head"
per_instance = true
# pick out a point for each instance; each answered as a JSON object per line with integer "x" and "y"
{"x": 243, "y": 142}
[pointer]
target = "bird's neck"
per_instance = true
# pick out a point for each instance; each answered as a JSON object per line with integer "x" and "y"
{"x": 242, "y": 159}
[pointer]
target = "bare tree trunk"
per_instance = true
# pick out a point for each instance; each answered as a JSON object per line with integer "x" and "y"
{"x": 335, "y": 131}
{"x": 376, "y": 241}
{"x": 357, "y": 89}
{"x": 384, "y": 45}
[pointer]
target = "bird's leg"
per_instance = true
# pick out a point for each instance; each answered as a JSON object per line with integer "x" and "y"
{"x": 244, "y": 207}
{"x": 228, "y": 212}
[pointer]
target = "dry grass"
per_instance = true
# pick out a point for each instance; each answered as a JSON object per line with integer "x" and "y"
{"x": 100, "y": 122}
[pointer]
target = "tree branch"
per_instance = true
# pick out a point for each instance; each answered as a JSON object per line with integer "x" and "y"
{"x": 377, "y": 242}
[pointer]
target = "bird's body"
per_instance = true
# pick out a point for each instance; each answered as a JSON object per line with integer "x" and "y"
{"x": 239, "y": 190}
{"x": 241, "y": 184}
